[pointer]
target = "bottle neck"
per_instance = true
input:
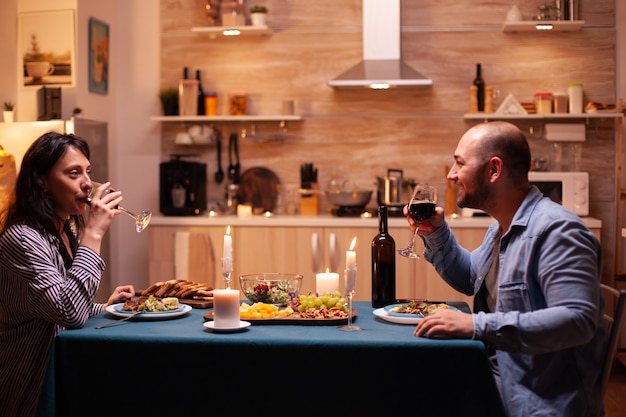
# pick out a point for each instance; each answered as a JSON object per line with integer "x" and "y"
{"x": 478, "y": 71}
{"x": 382, "y": 219}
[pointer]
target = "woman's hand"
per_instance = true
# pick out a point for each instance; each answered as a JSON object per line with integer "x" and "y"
{"x": 121, "y": 294}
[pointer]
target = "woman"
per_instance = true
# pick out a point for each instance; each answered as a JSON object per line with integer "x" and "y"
{"x": 50, "y": 264}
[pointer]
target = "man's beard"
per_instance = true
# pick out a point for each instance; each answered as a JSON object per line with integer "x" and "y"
{"x": 477, "y": 199}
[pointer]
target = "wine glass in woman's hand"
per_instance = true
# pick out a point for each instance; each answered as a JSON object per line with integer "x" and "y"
{"x": 141, "y": 220}
{"x": 421, "y": 206}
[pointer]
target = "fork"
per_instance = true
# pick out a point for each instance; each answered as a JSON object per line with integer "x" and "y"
{"x": 135, "y": 313}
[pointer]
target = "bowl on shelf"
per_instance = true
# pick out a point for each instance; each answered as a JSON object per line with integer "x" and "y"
{"x": 271, "y": 287}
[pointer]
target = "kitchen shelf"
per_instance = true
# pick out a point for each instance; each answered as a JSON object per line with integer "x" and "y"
{"x": 232, "y": 31}
{"x": 532, "y": 26}
{"x": 551, "y": 116}
{"x": 243, "y": 118}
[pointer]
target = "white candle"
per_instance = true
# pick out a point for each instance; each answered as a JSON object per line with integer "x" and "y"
{"x": 326, "y": 282}
{"x": 226, "y": 308}
{"x": 227, "y": 259}
{"x": 351, "y": 256}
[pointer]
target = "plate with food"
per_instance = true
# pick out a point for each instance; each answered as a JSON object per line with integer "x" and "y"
{"x": 150, "y": 308}
{"x": 411, "y": 312}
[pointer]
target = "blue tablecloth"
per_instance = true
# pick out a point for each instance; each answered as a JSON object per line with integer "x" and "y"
{"x": 178, "y": 367}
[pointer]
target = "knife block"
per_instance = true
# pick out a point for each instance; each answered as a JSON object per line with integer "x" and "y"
{"x": 310, "y": 203}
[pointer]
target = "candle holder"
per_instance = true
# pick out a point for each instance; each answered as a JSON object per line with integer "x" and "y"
{"x": 226, "y": 276}
{"x": 350, "y": 278}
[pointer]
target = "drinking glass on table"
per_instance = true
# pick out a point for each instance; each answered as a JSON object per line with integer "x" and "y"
{"x": 421, "y": 206}
{"x": 350, "y": 278}
{"x": 141, "y": 220}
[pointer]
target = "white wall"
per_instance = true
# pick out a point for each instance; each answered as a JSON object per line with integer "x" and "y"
{"x": 134, "y": 141}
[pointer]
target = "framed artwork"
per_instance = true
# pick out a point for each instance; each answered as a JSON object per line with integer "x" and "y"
{"x": 98, "y": 56}
{"x": 46, "y": 48}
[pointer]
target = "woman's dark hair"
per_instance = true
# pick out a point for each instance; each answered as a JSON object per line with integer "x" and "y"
{"x": 30, "y": 204}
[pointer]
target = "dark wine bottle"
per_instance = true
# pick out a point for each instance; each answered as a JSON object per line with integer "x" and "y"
{"x": 201, "y": 105}
{"x": 383, "y": 264}
{"x": 480, "y": 85}
{"x": 185, "y": 73}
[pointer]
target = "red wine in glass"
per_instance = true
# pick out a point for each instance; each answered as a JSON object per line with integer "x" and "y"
{"x": 421, "y": 210}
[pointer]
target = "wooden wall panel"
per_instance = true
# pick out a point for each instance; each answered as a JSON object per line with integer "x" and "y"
{"x": 361, "y": 133}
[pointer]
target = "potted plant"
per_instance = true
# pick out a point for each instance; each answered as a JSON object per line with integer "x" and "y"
{"x": 169, "y": 101}
{"x": 258, "y": 15}
{"x": 7, "y": 112}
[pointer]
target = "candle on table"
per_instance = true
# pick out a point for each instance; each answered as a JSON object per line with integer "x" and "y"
{"x": 227, "y": 259}
{"x": 226, "y": 308}
{"x": 351, "y": 256}
{"x": 326, "y": 282}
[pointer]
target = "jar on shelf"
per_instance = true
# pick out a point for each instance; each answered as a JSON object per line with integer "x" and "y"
{"x": 233, "y": 13}
{"x": 543, "y": 103}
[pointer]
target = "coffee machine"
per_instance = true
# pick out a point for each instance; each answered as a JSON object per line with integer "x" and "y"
{"x": 182, "y": 187}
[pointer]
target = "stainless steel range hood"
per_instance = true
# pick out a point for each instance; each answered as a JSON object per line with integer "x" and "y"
{"x": 381, "y": 66}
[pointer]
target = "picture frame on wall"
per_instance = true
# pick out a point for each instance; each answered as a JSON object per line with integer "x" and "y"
{"x": 45, "y": 50}
{"x": 98, "y": 56}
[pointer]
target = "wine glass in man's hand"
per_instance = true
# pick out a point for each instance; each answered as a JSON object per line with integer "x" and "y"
{"x": 421, "y": 206}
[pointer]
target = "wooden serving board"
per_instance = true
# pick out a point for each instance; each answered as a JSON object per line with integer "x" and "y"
{"x": 199, "y": 304}
{"x": 294, "y": 319}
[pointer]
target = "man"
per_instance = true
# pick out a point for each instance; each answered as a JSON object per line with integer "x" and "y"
{"x": 535, "y": 280}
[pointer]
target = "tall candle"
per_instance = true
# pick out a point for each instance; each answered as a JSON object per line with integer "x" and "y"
{"x": 227, "y": 259}
{"x": 326, "y": 282}
{"x": 351, "y": 256}
{"x": 226, "y": 308}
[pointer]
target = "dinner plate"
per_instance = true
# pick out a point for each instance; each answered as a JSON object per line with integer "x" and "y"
{"x": 392, "y": 313}
{"x": 211, "y": 325}
{"x": 116, "y": 310}
{"x": 410, "y": 319}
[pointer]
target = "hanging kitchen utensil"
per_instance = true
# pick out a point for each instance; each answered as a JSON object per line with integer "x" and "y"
{"x": 233, "y": 158}
{"x": 219, "y": 174}
{"x": 259, "y": 187}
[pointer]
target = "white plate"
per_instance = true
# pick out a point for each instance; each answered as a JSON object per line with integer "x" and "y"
{"x": 397, "y": 318}
{"x": 116, "y": 310}
{"x": 211, "y": 325}
{"x": 410, "y": 319}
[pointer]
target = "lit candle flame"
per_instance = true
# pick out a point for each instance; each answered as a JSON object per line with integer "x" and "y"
{"x": 353, "y": 244}
{"x": 228, "y": 230}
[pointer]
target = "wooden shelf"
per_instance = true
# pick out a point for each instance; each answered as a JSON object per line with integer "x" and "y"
{"x": 245, "y": 118}
{"x": 551, "y": 116}
{"x": 543, "y": 26}
{"x": 232, "y": 31}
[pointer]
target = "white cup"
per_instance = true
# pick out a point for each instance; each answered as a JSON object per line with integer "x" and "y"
{"x": 184, "y": 138}
{"x": 39, "y": 69}
{"x": 575, "y": 92}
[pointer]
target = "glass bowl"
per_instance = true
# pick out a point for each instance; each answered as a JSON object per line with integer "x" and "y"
{"x": 271, "y": 287}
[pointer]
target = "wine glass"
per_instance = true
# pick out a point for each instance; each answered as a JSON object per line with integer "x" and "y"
{"x": 350, "y": 278}
{"x": 421, "y": 206}
{"x": 141, "y": 220}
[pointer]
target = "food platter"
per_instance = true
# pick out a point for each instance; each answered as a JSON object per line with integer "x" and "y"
{"x": 116, "y": 310}
{"x": 294, "y": 319}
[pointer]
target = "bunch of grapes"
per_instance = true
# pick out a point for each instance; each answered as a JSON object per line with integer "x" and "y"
{"x": 318, "y": 302}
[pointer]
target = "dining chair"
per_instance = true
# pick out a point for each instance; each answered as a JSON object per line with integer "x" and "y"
{"x": 616, "y": 301}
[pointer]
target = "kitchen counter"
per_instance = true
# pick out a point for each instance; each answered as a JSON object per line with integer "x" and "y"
{"x": 321, "y": 221}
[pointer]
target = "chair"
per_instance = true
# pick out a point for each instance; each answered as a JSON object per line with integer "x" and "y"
{"x": 616, "y": 299}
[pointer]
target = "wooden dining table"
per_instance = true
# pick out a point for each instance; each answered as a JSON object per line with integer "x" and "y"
{"x": 179, "y": 367}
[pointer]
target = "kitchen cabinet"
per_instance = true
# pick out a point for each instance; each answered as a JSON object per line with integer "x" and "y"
{"x": 283, "y": 244}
